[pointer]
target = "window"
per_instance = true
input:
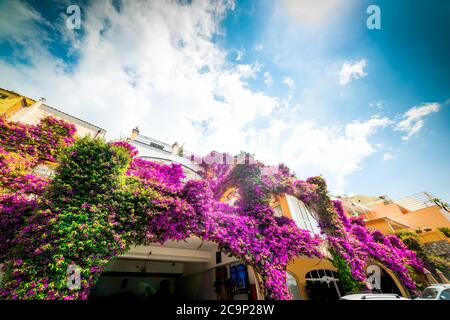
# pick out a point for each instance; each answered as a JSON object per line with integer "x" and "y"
{"x": 157, "y": 146}
{"x": 232, "y": 197}
{"x": 445, "y": 295}
{"x": 303, "y": 216}
{"x": 293, "y": 287}
{"x": 239, "y": 278}
{"x": 218, "y": 257}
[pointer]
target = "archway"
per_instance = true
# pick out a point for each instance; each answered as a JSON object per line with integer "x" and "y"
{"x": 322, "y": 284}
{"x": 186, "y": 270}
{"x": 388, "y": 281}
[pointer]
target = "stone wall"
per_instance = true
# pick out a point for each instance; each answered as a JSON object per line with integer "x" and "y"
{"x": 440, "y": 248}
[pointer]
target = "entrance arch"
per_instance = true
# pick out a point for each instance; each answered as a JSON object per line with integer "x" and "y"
{"x": 389, "y": 282}
{"x": 182, "y": 270}
{"x": 323, "y": 284}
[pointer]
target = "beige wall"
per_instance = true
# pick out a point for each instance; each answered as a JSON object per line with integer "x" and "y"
{"x": 301, "y": 266}
{"x": 432, "y": 236}
{"x": 430, "y": 217}
{"x": 381, "y": 210}
{"x": 381, "y": 225}
{"x": 34, "y": 113}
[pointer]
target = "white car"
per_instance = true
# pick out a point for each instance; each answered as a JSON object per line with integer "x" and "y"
{"x": 436, "y": 292}
{"x": 373, "y": 296}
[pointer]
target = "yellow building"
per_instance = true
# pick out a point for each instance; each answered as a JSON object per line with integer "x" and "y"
{"x": 308, "y": 278}
{"x": 420, "y": 213}
{"x": 17, "y": 107}
{"x": 316, "y": 279}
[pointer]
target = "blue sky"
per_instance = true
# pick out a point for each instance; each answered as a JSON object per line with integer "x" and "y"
{"x": 301, "y": 82}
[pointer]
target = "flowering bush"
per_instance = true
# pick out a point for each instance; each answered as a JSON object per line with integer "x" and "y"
{"x": 22, "y": 147}
{"x": 103, "y": 199}
{"x": 430, "y": 261}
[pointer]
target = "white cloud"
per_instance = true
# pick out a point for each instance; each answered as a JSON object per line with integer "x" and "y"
{"x": 377, "y": 104}
{"x": 289, "y": 83}
{"x": 413, "y": 119}
{"x": 258, "y": 47}
{"x": 388, "y": 156}
{"x": 313, "y": 12}
{"x": 330, "y": 152}
{"x": 352, "y": 69}
{"x": 24, "y": 16}
{"x": 239, "y": 55}
{"x": 268, "y": 78}
{"x": 156, "y": 66}
{"x": 361, "y": 130}
{"x": 291, "y": 87}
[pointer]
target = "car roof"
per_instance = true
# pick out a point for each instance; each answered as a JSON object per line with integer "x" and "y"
{"x": 444, "y": 285}
{"x": 368, "y": 296}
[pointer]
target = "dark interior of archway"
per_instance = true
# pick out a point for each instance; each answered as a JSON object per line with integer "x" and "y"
{"x": 387, "y": 284}
{"x": 323, "y": 290}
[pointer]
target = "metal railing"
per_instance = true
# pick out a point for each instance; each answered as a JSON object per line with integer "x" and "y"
{"x": 417, "y": 201}
{"x": 154, "y": 143}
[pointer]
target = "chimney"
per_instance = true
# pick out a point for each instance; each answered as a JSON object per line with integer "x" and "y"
{"x": 135, "y": 133}
{"x": 175, "y": 148}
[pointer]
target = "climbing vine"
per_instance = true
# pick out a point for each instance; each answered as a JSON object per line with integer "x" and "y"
{"x": 430, "y": 261}
{"x": 103, "y": 199}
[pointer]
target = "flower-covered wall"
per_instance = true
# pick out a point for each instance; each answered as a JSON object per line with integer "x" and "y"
{"x": 103, "y": 198}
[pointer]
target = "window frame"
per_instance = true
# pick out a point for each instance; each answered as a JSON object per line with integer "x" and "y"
{"x": 304, "y": 217}
{"x": 291, "y": 277}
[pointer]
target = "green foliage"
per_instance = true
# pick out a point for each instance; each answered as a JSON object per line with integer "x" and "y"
{"x": 444, "y": 205}
{"x": 431, "y": 262}
{"x": 445, "y": 231}
{"x": 73, "y": 224}
{"x": 89, "y": 168}
{"x": 344, "y": 274}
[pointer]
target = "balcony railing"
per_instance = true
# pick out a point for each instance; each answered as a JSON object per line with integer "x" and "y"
{"x": 417, "y": 201}
{"x": 154, "y": 143}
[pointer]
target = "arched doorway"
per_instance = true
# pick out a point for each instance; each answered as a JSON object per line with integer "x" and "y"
{"x": 384, "y": 280}
{"x": 322, "y": 284}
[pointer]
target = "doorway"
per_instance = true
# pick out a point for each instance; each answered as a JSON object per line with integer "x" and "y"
{"x": 323, "y": 285}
